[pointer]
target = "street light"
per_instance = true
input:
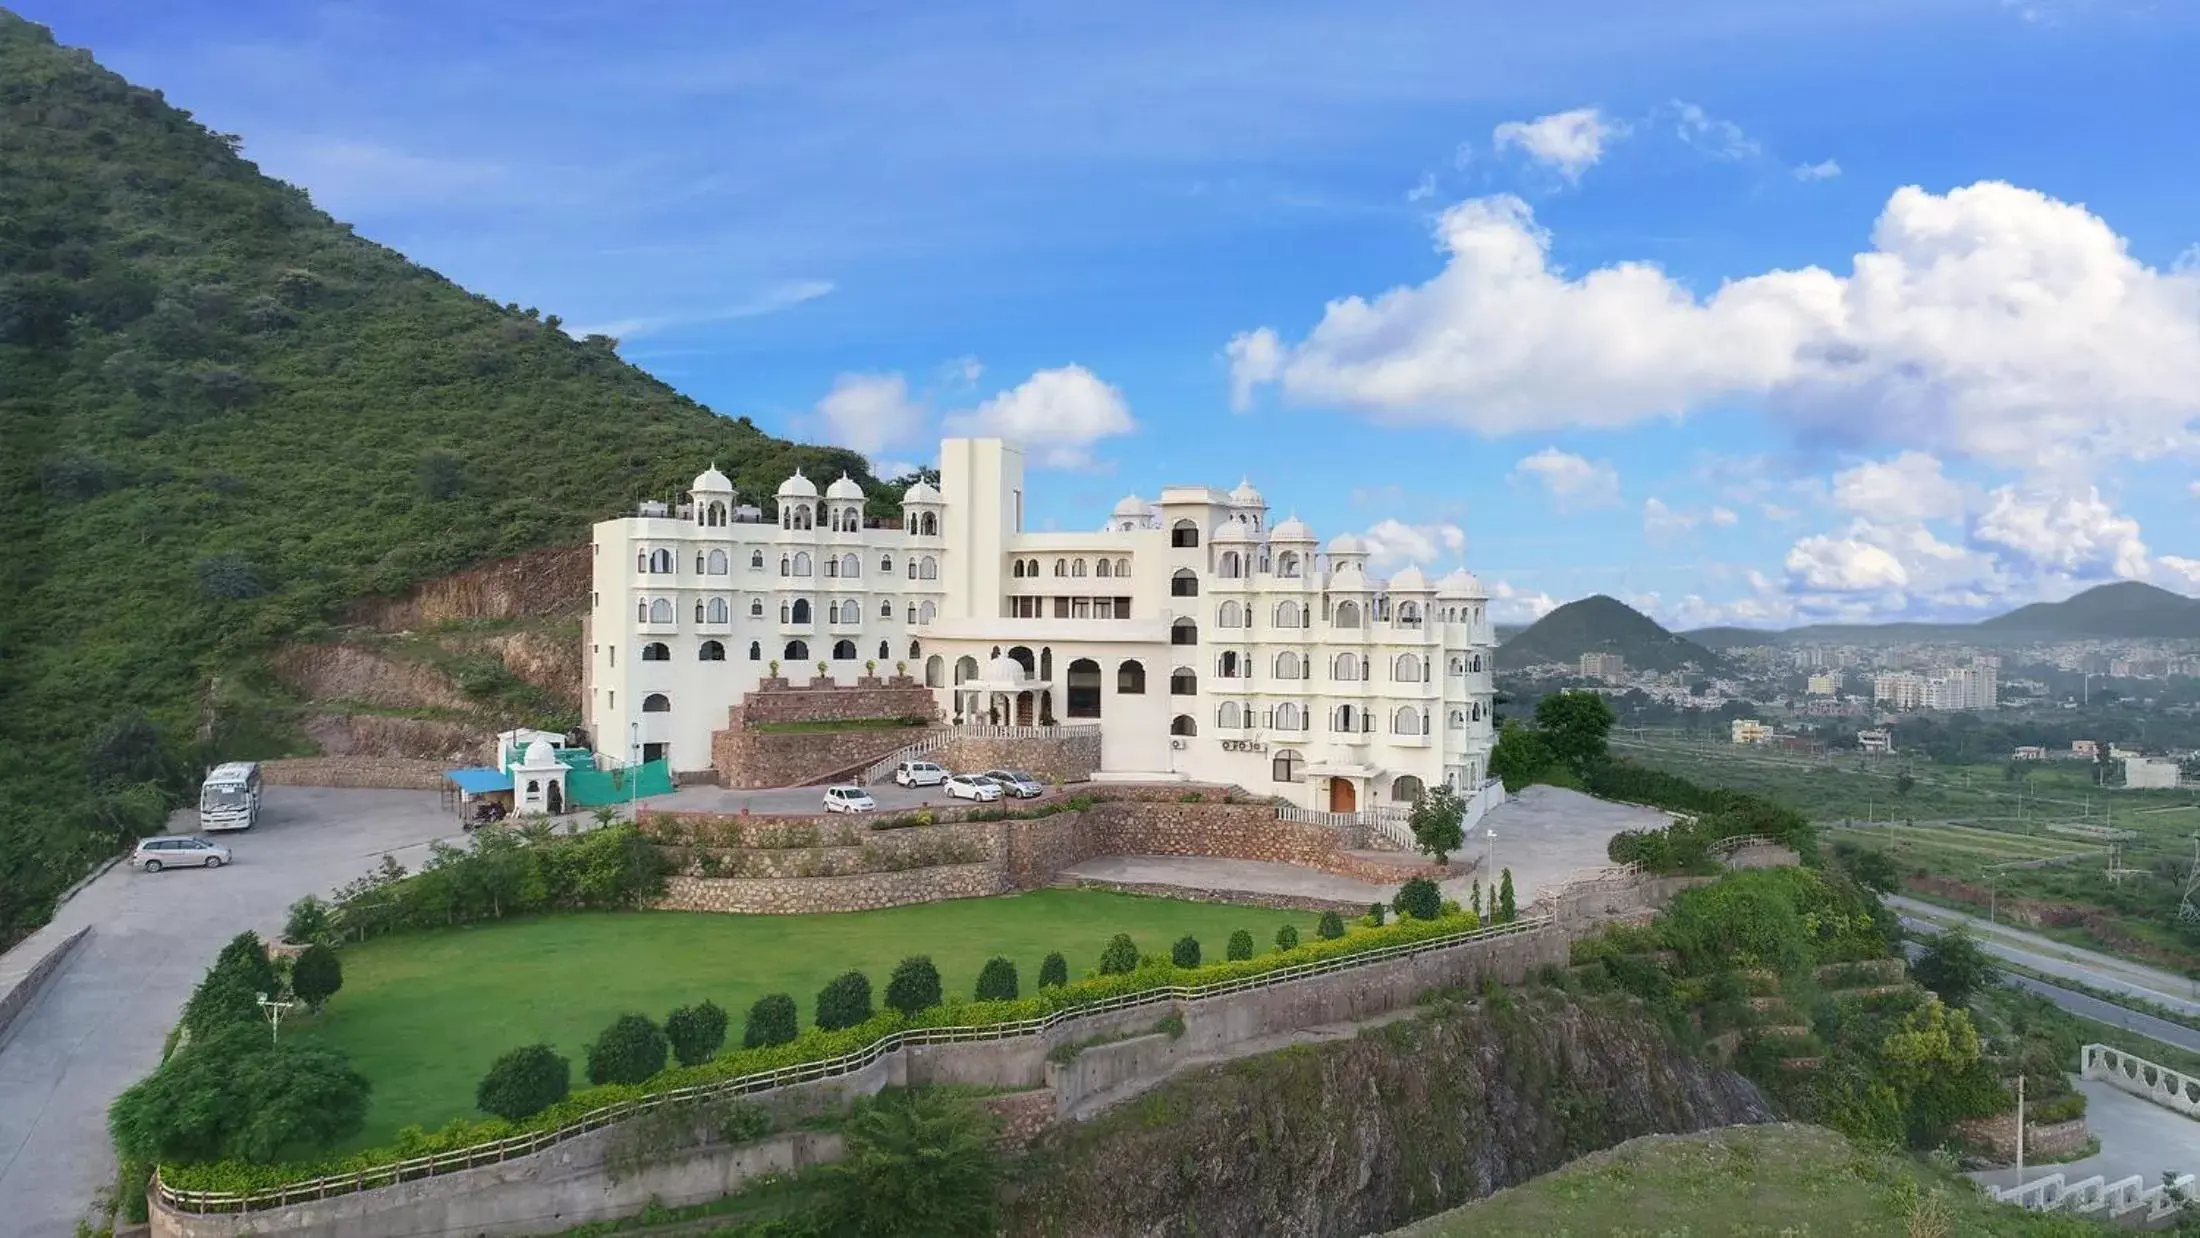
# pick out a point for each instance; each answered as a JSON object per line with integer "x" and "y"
{"x": 274, "y": 1011}
{"x": 634, "y": 774}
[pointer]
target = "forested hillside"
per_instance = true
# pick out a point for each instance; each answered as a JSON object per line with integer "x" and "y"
{"x": 222, "y": 416}
{"x": 1600, "y": 624}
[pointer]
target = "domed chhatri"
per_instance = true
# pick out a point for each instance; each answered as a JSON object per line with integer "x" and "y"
{"x": 1187, "y": 636}
{"x": 539, "y": 755}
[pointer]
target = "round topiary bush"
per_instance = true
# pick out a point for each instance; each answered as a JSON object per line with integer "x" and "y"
{"x": 1377, "y": 913}
{"x": 696, "y": 1032}
{"x": 1241, "y": 944}
{"x": 914, "y": 986}
{"x": 628, "y": 1051}
{"x": 1420, "y": 899}
{"x": 1287, "y": 938}
{"x": 1053, "y": 971}
{"x": 771, "y": 1022}
{"x": 316, "y": 975}
{"x": 844, "y": 1001}
{"x": 1120, "y": 957}
{"x": 1185, "y": 953}
{"x": 997, "y": 981}
{"x": 524, "y": 1082}
{"x": 1330, "y": 927}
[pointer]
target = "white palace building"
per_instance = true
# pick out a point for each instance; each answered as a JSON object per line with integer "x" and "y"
{"x": 1206, "y": 643}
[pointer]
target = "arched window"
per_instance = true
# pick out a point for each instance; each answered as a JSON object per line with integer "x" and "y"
{"x": 1077, "y": 568}
{"x": 844, "y": 651}
{"x": 656, "y": 703}
{"x": 1475, "y": 664}
{"x": 1061, "y": 567}
{"x": 802, "y": 517}
{"x": 1290, "y": 666}
{"x": 1184, "y": 533}
{"x": 1184, "y": 632}
{"x": 698, "y": 610}
{"x": 934, "y": 671}
{"x": 1458, "y": 719}
{"x": 660, "y": 611}
{"x": 1130, "y": 678}
{"x": 886, "y": 608}
{"x": 801, "y": 562}
{"x": 966, "y": 669}
{"x": 850, "y": 566}
{"x": 1229, "y": 717}
{"x": 832, "y": 567}
{"x": 914, "y": 650}
{"x": 1477, "y": 710}
{"x": 928, "y": 568}
{"x": 719, "y": 612}
{"x": 1184, "y": 584}
{"x": 1290, "y": 615}
{"x": 1287, "y": 564}
{"x": 698, "y": 562}
{"x": 756, "y": 651}
{"x": 1407, "y": 721}
{"x": 1017, "y": 569}
{"x": 715, "y": 514}
{"x": 711, "y": 651}
{"x": 885, "y": 565}
{"x": 1405, "y": 788}
{"x": 1346, "y": 668}
{"x": 1289, "y": 717}
{"x": 660, "y": 560}
{"x": 1122, "y": 567}
{"x": 641, "y": 560}
{"x": 1082, "y": 696}
{"x": 801, "y": 610}
{"x": 1183, "y": 724}
{"x": 1409, "y": 616}
{"x": 1348, "y": 615}
{"x": 1101, "y": 568}
{"x": 756, "y": 608}
{"x": 885, "y": 651}
{"x": 1407, "y": 669}
{"x": 715, "y": 563}
{"x": 1232, "y": 566}
{"x": 1229, "y": 665}
{"x": 1345, "y": 719}
{"x": 1046, "y": 661}
{"x": 756, "y": 560}
{"x": 1184, "y": 681}
{"x": 1458, "y": 666}
{"x": 656, "y": 651}
{"x": 798, "y": 651}
{"x": 786, "y": 566}
{"x": 1287, "y": 766}
{"x": 927, "y": 612}
{"x": 1230, "y": 615}
{"x": 928, "y": 525}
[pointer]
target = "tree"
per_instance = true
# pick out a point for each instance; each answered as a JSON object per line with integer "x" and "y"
{"x": 1185, "y": 953}
{"x": 309, "y": 921}
{"x": 629, "y": 1051}
{"x": 997, "y": 981}
{"x": 1436, "y": 821}
{"x": 1954, "y": 966}
{"x": 524, "y": 1082}
{"x": 1053, "y": 971}
{"x": 1241, "y": 945}
{"x": 1377, "y": 912}
{"x": 1330, "y": 927}
{"x": 129, "y": 751}
{"x": 844, "y": 1002}
{"x": 1476, "y": 905}
{"x": 1420, "y": 899}
{"x": 1287, "y": 938}
{"x": 1520, "y": 755}
{"x": 1871, "y": 867}
{"x": 771, "y": 1022}
{"x": 1119, "y": 956}
{"x": 696, "y": 1032}
{"x": 230, "y": 578}
{"x": 233, "y": 1094}
{"x": 916, "y": 1163}
{"x": 1506, "y": 911}
{"x": 914, "y": 986}
{"x": 246, "y": 958}
{"x": 316, "y": 975}
{"x": 1575, "y": 726}
{"x": 1904, "y": 783}
{"x": 442, "y": 475}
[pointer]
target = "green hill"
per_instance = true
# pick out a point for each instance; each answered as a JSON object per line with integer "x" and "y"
{"x": 1601, "y": 624}
{"x": 2126, "y": 609}
{"x": 225, "y": 416}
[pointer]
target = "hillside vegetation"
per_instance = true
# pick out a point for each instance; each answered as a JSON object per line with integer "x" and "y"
{"x": 2124, "y": 610}
{"x": 1601, "y": 624}
{"x": 227, "y": 417}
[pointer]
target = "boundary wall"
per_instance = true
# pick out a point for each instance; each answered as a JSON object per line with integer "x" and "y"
{"x": 22, "y": 981}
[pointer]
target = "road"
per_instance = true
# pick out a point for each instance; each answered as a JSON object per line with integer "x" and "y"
{"x": 2054, "y": 958}
{"x": 2089, "y": 1007}
{"x": 2137, "y": 1137}
{"x": 100, "y": 1023}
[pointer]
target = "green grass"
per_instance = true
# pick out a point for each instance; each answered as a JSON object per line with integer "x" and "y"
{"x": 1788, "y": 1180}
{"x": 423, "y": 1015}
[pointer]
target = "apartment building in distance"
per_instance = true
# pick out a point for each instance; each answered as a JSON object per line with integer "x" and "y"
{"x": 1750, "y": 731}
{"x": 1603, "y": 666}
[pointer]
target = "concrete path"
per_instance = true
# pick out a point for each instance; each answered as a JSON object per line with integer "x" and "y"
{"x": 2054, "y": 958}
{"x": 99, "y": 1025}
{"x": 1546, "y": 835}
{"x": 2137, "y": 1137}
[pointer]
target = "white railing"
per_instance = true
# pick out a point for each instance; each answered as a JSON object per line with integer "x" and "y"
{"x": 1728, "y": 846}
{"x": 830, "y": 1068}
{"x": 884, "y": 766}
{"x": 2168, "y": 1088}
{"x": 2097, "y": 1196}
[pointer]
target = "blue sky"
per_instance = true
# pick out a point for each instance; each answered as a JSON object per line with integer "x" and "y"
{"x": 1757, "y": 312}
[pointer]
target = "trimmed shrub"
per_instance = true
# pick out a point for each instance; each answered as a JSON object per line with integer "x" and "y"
{"x": 844, "y": 1001}
{"x": 1287, "y": 938}
{"x": 1507, "y": 912}
{"x": 1241, "y": 945}
{"x": 1185, "y": 953}
{"x": 310, "y": 921}
{"x": 1120, "y": 957}
{"x": 914, "y": 986}
{"x": 771, "y": 1022}
{"x": 316, "y": 975}
{"x": 697, "y": 1032}
{"x": 524, "y": 1082}
{"x": 1377, "y": 913}
{"x": 1420, "y": 899}
{"x": 997, "y": 981}
{"x": 1330, "y": 927}
{"x": 629, "y": 1051}
{"x": 1053, "y": 971}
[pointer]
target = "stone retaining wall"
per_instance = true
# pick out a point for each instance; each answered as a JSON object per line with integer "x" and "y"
{"x": 1061, "y": 758}
{"x": 25, "y": 970}
{"x": 805, "y": 896}
{"x": 745, "y": 756}
{"x": 392, "y": 773}
{"x": 1233, "y": 898}
{"x": 1998, "y": 1136}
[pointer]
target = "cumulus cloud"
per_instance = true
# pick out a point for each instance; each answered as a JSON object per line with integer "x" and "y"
{"x": 1990, "y": 321}
{"x": 1908, "y": 487}
{"x": 1720, "y": 139}
{"x": 1572, "y": 481}
{"x": 1057, "y": 413}
{"x": 1661, "y": 523}
{"x": 1724, "y": 517}
{"x": 1845, "y": 564}
{"x": 1823, "y": 170}
{"x": 871, "y": 412}
{"x": 1568, "y": 143}
{"x": 1393, "y": 543}
{"x": 2073, "y": 534}
{"x": 1509, "y": 604}
{"x": 2183, "y": 573}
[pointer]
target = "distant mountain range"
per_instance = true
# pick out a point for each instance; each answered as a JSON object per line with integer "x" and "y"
{"x": 1603, "y": 624}
{"x": 2126, "y": 610}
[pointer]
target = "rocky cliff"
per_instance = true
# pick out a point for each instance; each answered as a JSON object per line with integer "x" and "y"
{"x": 1362, "y": 1135}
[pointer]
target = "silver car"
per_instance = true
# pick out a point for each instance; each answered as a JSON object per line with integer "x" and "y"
{"x": 1017, "y": 783}
{"x": 178, "y": 851}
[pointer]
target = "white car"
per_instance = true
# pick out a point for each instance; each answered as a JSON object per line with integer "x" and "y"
{"x": 973, "y": 787}
{"x": 178, "y": 851}
{"x": 919, "y": 774}
{"x": 848, "y": 799}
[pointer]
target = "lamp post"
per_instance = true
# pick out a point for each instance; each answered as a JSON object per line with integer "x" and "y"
{"x": 274, "y": 1010}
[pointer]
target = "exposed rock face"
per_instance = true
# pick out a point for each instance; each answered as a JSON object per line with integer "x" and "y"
{"x": 539, "y": 584}
{"x": 372, "y": 735}
{"x": 366, "y": 676}
{"x": 1358, "y": 1136}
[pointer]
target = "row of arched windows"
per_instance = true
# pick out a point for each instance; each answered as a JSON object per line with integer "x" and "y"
{"x": 921, "y": 524}
{"x": 1022, "y": 569}
{"x": 1344, "y": 667}
{"x": 818, "y": 516}
{"x": 796, "y": 610}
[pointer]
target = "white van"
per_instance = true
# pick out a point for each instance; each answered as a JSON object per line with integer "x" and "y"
{"x": 919, "y": 774}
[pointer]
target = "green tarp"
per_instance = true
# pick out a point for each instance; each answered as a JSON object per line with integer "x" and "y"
{"x": 587, "y": 788}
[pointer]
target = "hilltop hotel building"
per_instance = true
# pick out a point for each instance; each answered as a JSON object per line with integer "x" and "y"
{"x": 1204, "y": 642}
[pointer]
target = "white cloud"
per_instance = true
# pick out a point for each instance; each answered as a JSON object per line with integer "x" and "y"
{"x": 769, "y": 301}
{"x": 890, "y": 469}
{"x": 1513, "y": 605}
{"x": 1059, "y": 413}
{"x": 1845, "y": 564}
{"x": 871, "y": 412}
{"x": 1720, "y": 139}
{"x": 1424, "y": 189}
{"x": 2071, "y": 533}
{"x": 1991, "y": 321}
{"x": 1777, "y": 513}
{"x": 962, "y": 372}
{"x": 1572, "y": 481}
{"x": 2184, "y": 573}
{"x": 1724, "y": 517}
{"x": 1823, "y": 170}
{"x": 1661, "y": 523}
{"x": 1569, "y": 143}
{"x": 1908, "y": 487}
{"x": 1393, "y": 543}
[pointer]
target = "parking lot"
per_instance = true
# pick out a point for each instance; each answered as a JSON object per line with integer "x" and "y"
{"x": 793, "y": 800}
{"x": 99, "y": 1025}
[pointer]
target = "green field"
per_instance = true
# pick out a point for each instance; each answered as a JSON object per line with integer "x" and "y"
{"x": 423, "y": 1015}
{"x": 1790, "y": 1181}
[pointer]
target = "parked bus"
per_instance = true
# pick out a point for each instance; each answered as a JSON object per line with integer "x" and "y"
{"x": 229, "y": 799}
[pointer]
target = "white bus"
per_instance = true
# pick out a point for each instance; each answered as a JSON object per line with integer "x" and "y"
{"x": 229, "y": 799}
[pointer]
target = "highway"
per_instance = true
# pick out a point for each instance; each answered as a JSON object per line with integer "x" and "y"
{"x": 2054, "y": 958}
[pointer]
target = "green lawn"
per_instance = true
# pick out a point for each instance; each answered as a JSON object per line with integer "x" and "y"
{"x": 423, "y": 1015}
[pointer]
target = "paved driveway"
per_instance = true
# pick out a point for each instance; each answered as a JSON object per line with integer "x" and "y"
{"x": 1548, "y": 835}
{"x": 99, "y": 1025}
{"x": 2137, "y": 1137}
{"x": 805, "y": 801}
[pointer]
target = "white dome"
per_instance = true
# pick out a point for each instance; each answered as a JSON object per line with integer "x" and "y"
{"x": 711, "y": 480}
{"x": 1460, "y": 584}
{"x": 1346, "y": 544}
{"x": 798, "y": 487}
{"x": 1246, "y": 496}
{"x": 540, "y": 755}
{"x": 1411, "y": 578}
{"x": 1234, "y": 531}
{"x": 1291, "y": 530}
{"x": 920, "y": 491}
{"x": 1131, "y": 507}
{"x": 1005, "y": 669}
{"x": 845, "y": 488}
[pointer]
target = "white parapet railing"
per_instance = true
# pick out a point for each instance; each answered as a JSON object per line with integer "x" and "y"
{"x": 2153, "y": 1081}
{"x": 2124, "y": 1199}
{"x": 849, "y": 1063}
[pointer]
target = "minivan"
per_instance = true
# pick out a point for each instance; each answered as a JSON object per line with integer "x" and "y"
{"x": 178, "y": 851}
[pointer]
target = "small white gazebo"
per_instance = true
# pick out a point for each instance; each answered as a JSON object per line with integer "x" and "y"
{"x": 538, "y": 781}
{"x": 1004, "y": 689}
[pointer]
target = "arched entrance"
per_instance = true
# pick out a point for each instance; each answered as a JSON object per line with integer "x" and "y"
{"x": 1343, "y": 797}
{"x": 1025, "y": 706}
{"x": 555, "y": 797}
